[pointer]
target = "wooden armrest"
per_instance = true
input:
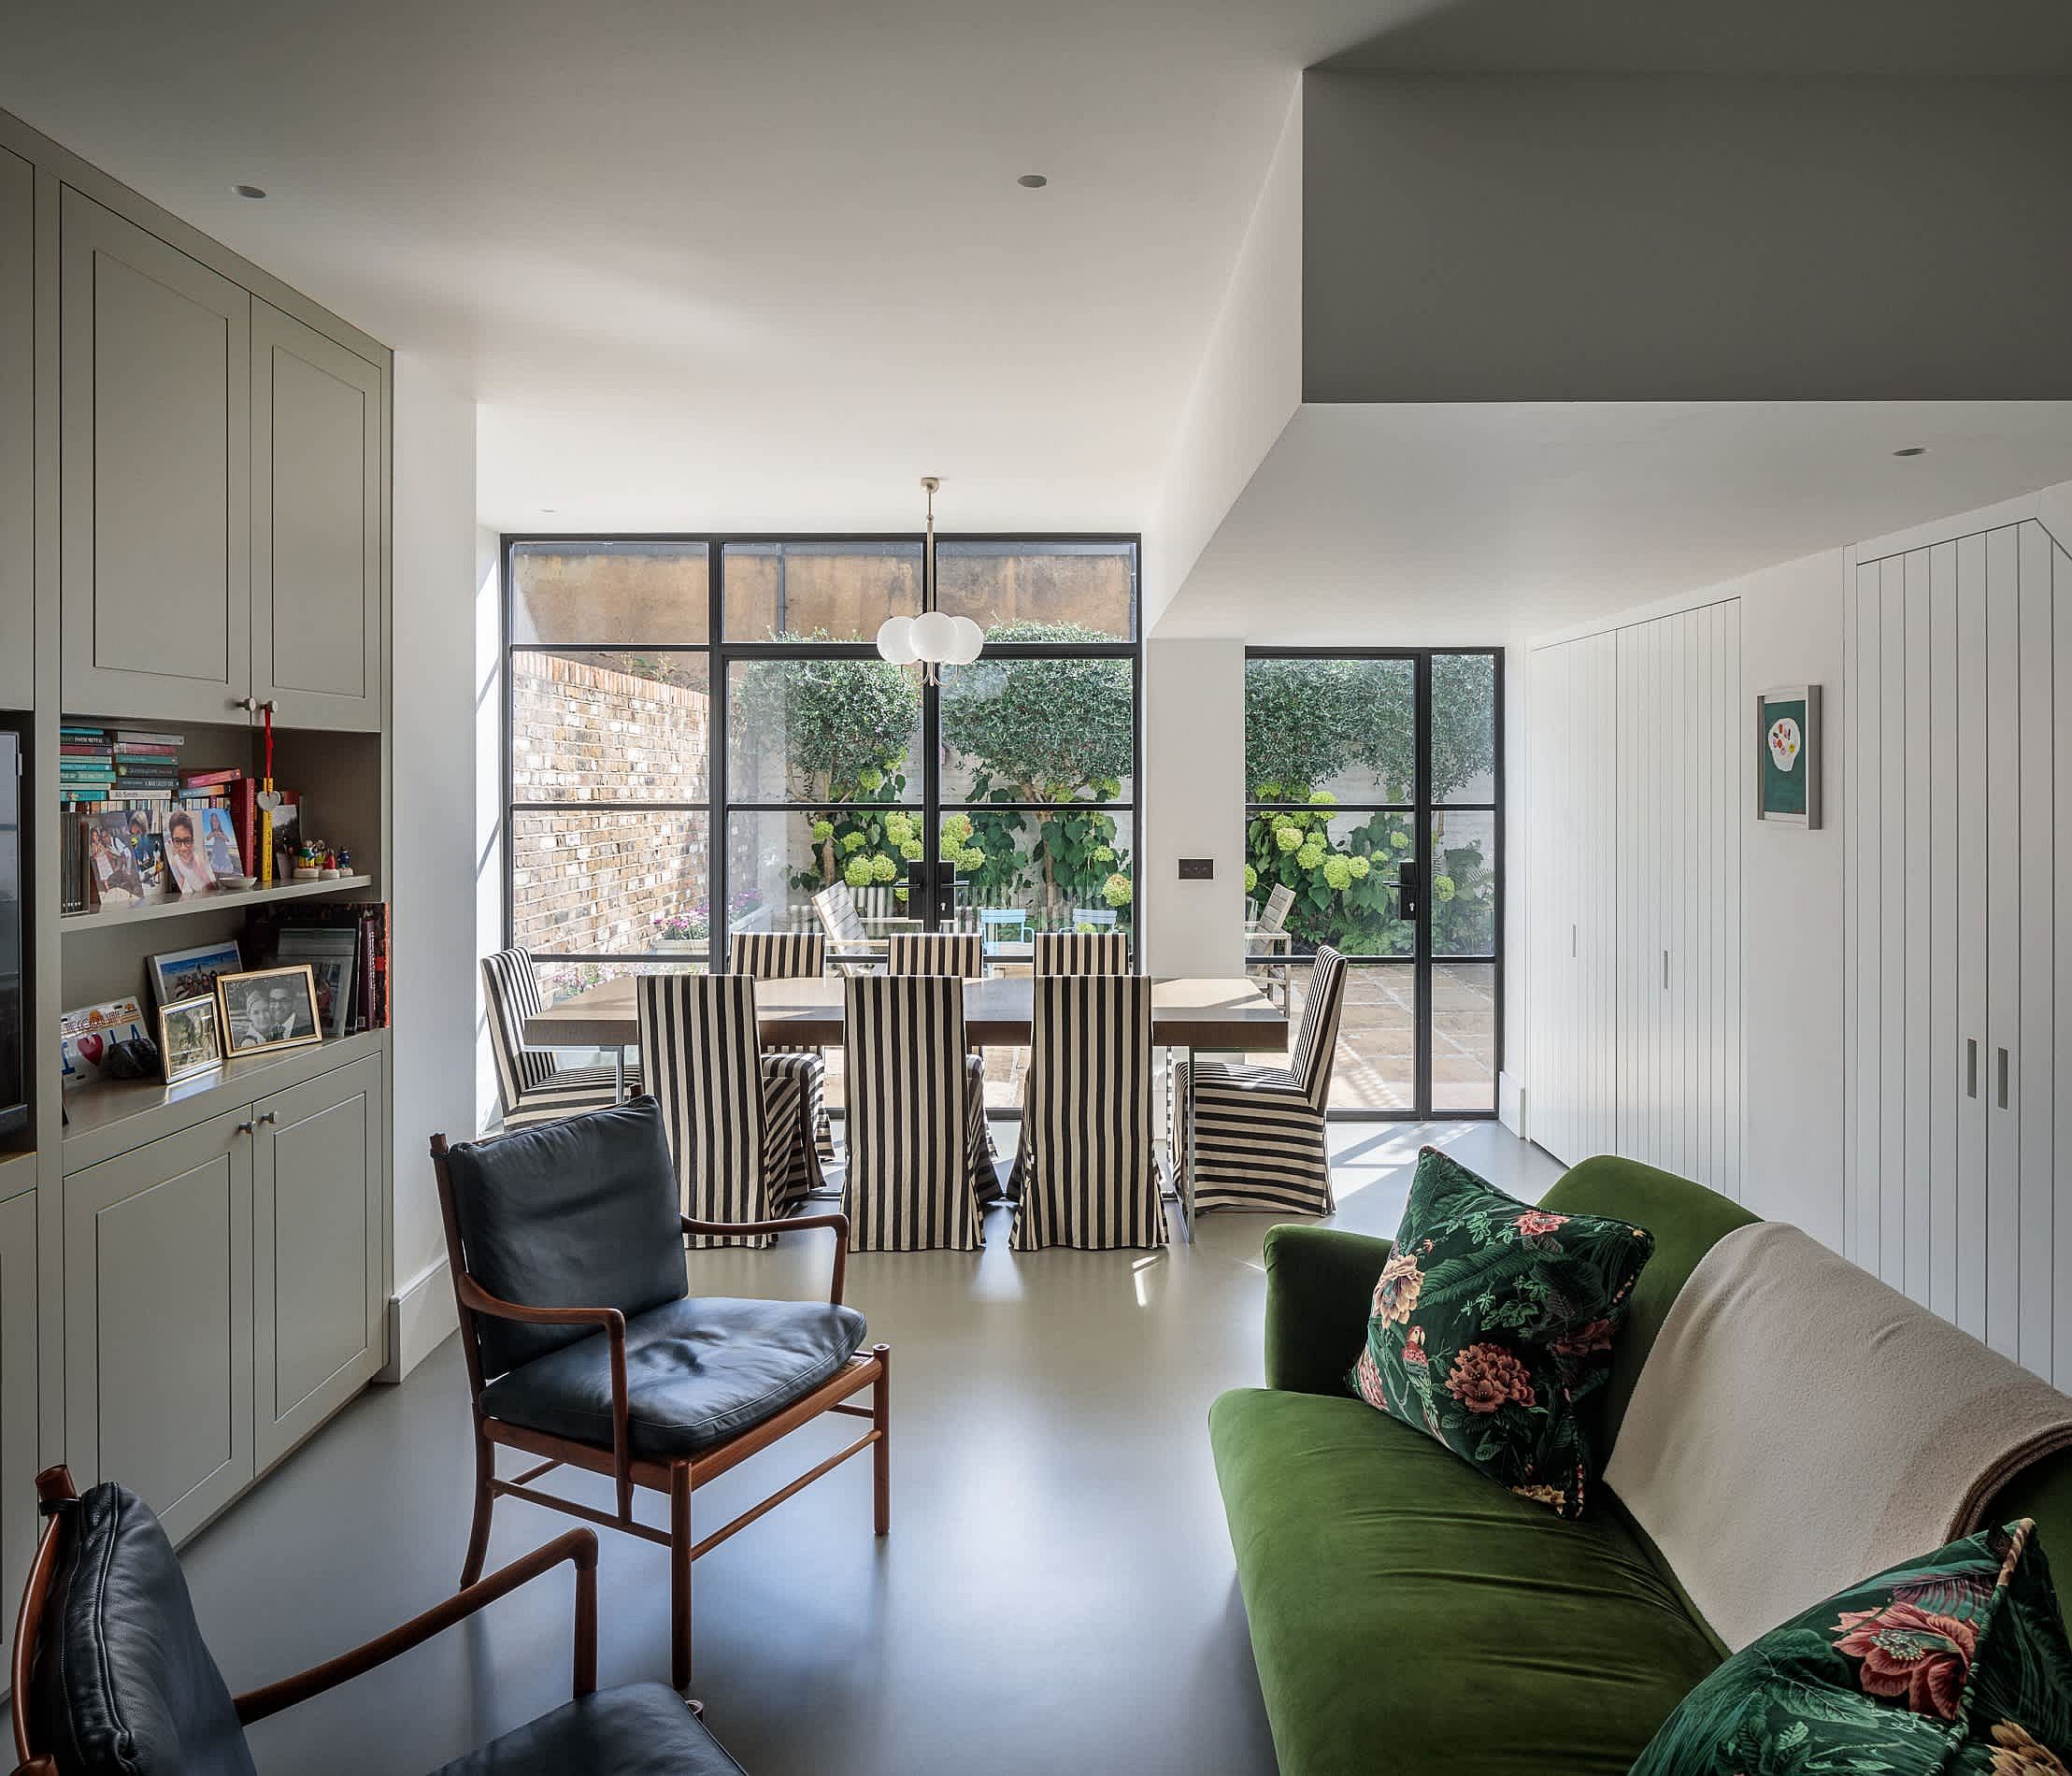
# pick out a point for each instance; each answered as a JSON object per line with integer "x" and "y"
{"x": 795, "y": 1224}
{"x": 478, "y": 1299}
{"x": 576, "y": 1545}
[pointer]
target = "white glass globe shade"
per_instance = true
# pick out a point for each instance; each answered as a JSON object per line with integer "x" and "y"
{"x": 934, "y": 636}
{"x": 969, "y": 644}
{"x": 895, "y": 640}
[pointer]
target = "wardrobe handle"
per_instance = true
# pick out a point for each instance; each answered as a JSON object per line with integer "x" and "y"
{"x": 1971, "y": 1066}
{"x": 1665, "y": 971}
{"x": 1572, "y": 940}
{"x": 2002, "y": 1084}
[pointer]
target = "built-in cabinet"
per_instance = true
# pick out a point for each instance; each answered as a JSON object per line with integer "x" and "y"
{"x": 224, "y": 1291}
{"x": 1958, "y": 882}
{"x": 155, "y": 487}
{"x": 316, "y": 527}
{"x": 1637, "y": 797}
{"x": 221, "y": 493}
{"x": 16, "y": 431}
{"x": 19, "y": 1347}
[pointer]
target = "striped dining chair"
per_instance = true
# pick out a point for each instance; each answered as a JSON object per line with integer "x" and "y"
{"x": 960, "y": 955}
{"x": 1257, "y": 1133}
{"x": 733, "y": 1127}
{"x": 1082, "y": 953}
{"x": 1087, "y": 1166}
{"x": 530, "y": 1088}
{"x": 793, "y": 955}
{"x": 918, "y": 1165}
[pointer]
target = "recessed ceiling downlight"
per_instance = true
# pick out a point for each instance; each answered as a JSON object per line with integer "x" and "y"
{"x": 252, "y": 191}
{"x": 1912, "y": 450}
{"x": 1032, "y": 181}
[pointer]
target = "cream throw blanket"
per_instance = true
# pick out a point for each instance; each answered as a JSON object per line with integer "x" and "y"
{"x": 1799, "y": 1426}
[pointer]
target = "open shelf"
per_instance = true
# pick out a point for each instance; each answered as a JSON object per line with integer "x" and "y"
{"x": 142, "y": 912}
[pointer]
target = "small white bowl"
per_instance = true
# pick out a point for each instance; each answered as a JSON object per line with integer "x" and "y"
{"x": 235, "y": 884}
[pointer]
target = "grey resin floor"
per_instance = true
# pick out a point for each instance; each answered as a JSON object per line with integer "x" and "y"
{"x": 1056, "y": 1594}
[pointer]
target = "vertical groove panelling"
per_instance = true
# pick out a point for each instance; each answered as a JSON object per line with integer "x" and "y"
{"x": 1974, "y": 1084}
{"x": 1943, "y": 1039}
{"x": 1705, "y": 1046}
{"x": 1920, "y": 853}
{"x": 1852, "y": 828}
{"x": 1683, "y": 887}
{"x": 1892, "y": 919}
{"x": 1869, "y": 802}
{"x": 1739, "y": 783}
{"x": 1624, "y": 804}
{"x": 2061, "y": 703}
{"x": 2003, "y": 787}
{"x": 2033, "y": 1034}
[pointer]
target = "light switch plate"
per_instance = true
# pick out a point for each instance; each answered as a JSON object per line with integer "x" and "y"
{"x": 1197, "y": 869}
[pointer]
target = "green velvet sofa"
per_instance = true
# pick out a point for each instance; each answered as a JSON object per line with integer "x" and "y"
{"x": 1409, "y": 1615}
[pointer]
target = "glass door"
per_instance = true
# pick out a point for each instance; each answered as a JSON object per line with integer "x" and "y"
{"x": 1372, "y": 807}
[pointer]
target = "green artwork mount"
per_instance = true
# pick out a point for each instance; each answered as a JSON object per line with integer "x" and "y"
{"x": 1788, "y": 755}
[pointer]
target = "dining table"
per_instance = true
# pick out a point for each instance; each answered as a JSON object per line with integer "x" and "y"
{"x": 1219, "y": 1015}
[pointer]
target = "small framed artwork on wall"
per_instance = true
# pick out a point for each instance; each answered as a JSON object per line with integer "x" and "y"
{"x": 1788, "y": 755}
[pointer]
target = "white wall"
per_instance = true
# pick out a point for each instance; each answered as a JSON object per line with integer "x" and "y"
{"x": 1622, "y": 237}
{"x": 1193, "y": 798}
{"x": 1249, "y": 385}
{"x": 434, "y": 872}
{"x": 489, "y": 795}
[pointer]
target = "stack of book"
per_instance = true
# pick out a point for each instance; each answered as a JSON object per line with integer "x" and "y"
{"x": 147, "y": 762}
{"x": 86, "y": 766}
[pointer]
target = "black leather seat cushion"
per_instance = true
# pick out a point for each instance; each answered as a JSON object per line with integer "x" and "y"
{"x": 122, "y": 1683}
{"x": 697, "y": 1372}
{"x": 643, "y": 1729}
{"x": 579, "y": 1213}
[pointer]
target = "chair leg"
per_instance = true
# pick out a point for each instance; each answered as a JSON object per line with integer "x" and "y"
{"x": 881, "y": 1451}
{"x": 680, "y": 1575}
{"x": 485, "y": 1502}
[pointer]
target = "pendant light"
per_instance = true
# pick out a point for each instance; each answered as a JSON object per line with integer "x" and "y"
{"x": 934, "y": 639}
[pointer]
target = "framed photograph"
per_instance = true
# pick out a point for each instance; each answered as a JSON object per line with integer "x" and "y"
{"x": 333, "y": 953}
{"x": 187, "y": 1038}
{"x": 268, "y": 1008}
{"x": 1788, "y": 755}
{"x": 180, "y": 975}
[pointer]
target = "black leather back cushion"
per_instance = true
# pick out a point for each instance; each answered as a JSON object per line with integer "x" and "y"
{"x": 122, "y": 1684}
{"x": 579, "y": 1213}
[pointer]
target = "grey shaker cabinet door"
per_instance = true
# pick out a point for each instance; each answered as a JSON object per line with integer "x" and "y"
{"x": 316, "y": 527}
{"x": 18, "y": 1400}
{"x": 157, "y": 1346}
{"x": 155, "y": 485}
{"x": 318, "y": 1291}
{"x": 16, "y": 431}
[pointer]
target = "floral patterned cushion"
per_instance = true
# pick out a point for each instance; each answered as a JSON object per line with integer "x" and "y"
{"x": 1492, "y": 1319}
{"x": 1952, "y": 1665}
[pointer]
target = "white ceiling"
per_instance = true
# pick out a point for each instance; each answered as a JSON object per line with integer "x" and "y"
{"x": 723, "y": 264}
{"x": 1463, "y": 524}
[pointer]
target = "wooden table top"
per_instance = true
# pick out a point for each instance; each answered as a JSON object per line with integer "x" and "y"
{"x": 1185, "y": 1014}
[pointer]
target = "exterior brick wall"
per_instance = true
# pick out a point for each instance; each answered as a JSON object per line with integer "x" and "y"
{"x": 589, "y": 879}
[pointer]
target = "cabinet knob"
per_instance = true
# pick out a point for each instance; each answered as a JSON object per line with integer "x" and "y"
{"x": 268, "y": 707}
{"x": 242, "y": 1128}
{"x": 268, "y": 1119}
{"x": 248, "y": 705}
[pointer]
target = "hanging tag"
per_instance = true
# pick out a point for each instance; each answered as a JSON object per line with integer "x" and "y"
{"x": 268, "y": 796}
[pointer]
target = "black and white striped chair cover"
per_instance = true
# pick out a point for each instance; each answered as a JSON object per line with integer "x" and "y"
{"x": 960, "y": 955}
{"x": 1258, "y": 1132}
{"x": 1087, "y": 1169}
{"x": 1082, "y": 953}
{"x": 918, "y": 1165}
{"x": 793, "y": 955}
{"x": 733, "y": 1129}
{"x": 529, "y": 1085}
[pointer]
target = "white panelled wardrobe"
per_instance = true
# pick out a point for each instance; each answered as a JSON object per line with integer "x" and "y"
{"x": 1959, "y": 890}
{"x": 1639, "y": 779}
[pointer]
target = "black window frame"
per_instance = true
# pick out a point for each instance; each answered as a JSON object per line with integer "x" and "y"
{"x": 1420, "y": 810}
{"x": 721, "y": 653}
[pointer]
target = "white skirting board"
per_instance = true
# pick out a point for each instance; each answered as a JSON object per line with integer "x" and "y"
{"x": 1510, "y": 1104}
{"x": 421, "y": 1317}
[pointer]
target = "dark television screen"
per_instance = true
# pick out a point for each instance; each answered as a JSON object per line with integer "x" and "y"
{"x": 14, "y": 1110}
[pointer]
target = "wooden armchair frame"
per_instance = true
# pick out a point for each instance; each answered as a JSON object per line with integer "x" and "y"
{"x": 675, "y": 1479}
{"x": 56, "y": 1493}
